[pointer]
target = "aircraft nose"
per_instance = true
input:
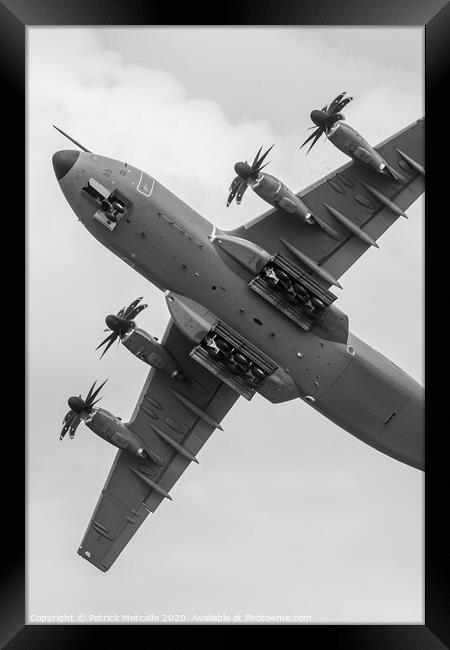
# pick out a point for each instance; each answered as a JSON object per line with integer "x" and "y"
{"x": 63, "y": 161}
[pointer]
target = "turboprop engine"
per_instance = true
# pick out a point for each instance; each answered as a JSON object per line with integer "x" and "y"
{"x": 144, "y": 346}
{"x": 273, "y": 191}
{"x": 329, "y": 121}
{"x": 103, "y": 423}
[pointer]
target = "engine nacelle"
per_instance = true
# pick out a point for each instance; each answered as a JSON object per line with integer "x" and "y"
{"x": 147, "y": 349}
{"x": 107, "y": 426}
{"x": 274, "y": 192}
{"x": 354, "y": 145}
{"x": 280, "y": 196}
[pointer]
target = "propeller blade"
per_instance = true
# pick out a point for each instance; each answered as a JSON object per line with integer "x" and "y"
{"x": 130, "y": 308}
{"x": 236, "y": 181}
{"x": 262, "y": 158}
{"x": 256, "y": 157}
{"x": 68, "y": 419}
{"x": 94, "y": 394}
{"x": 313, "y": 135}
{"x": 240, "y": 192}
{"x": 267, "y": 163}
{"x": 331, "y": 106}
{"x": 315, "y": 140}
{"x": 88, "y": 396}
{"x": 343, "y": 103}
{"x": 137, "y": 310}
{"x": 113, "y": 338}
{"x": 235, "y": 187}
{"x": 74, "y": 426}
{"x": 111, "y": 335}
{"x": 335, "y": 103}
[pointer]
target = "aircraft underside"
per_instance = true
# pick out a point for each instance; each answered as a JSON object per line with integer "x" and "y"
{"x": 251, "y": 311}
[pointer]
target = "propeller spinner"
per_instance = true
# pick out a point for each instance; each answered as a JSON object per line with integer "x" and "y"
{"x": 325, "y": 118}
{"x": 121, "y": 323}
{"x": 78, "y": 407}
{"x": 245, "y": 174}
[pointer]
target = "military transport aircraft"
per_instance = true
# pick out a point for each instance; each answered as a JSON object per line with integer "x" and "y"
{"x": 250, "y": 311}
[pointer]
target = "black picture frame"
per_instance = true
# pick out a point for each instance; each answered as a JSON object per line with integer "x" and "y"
{"x": 15, "y": 16}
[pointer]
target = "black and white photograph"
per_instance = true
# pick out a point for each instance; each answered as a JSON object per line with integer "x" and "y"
{"x": 225, "y": 323}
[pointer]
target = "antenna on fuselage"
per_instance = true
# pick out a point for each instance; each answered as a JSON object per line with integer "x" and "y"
{"x": 72, "y": 140}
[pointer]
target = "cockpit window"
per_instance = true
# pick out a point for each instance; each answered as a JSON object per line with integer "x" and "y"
{"x": 145, "y": 185}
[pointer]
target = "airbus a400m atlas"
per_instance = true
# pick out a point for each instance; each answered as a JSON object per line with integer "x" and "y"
{"x": 250, "y": 311}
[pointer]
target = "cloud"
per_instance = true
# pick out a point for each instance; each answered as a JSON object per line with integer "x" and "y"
{"x": 275, "y": 74}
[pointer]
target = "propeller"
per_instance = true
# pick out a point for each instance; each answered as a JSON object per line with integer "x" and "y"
{"x": 246, "y": 173}
{"x": 121, "y": 323}
{"x": 78, "y": 406}
{"x": 325, "y": 118}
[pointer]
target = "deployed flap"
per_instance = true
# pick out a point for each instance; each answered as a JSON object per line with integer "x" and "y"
{"x": 173, "y": 418}
{"x": 370, "y": 200}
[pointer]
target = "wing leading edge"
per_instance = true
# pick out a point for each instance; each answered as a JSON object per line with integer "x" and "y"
{"x": 370, "y": 201}
{"x": 173, "y": 418}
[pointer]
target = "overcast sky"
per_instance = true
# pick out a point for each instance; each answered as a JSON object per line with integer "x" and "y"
{"x": 286, "y": 513}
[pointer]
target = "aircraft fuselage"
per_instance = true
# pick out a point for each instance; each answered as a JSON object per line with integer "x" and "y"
{"x": 169, "y": 243}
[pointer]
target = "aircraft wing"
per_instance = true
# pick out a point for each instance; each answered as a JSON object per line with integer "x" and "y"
{"x": 355, "y": 191}
{"x": 173, "y": 418}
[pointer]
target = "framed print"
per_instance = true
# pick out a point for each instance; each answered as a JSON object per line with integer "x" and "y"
{"x": 279, "y": 357}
